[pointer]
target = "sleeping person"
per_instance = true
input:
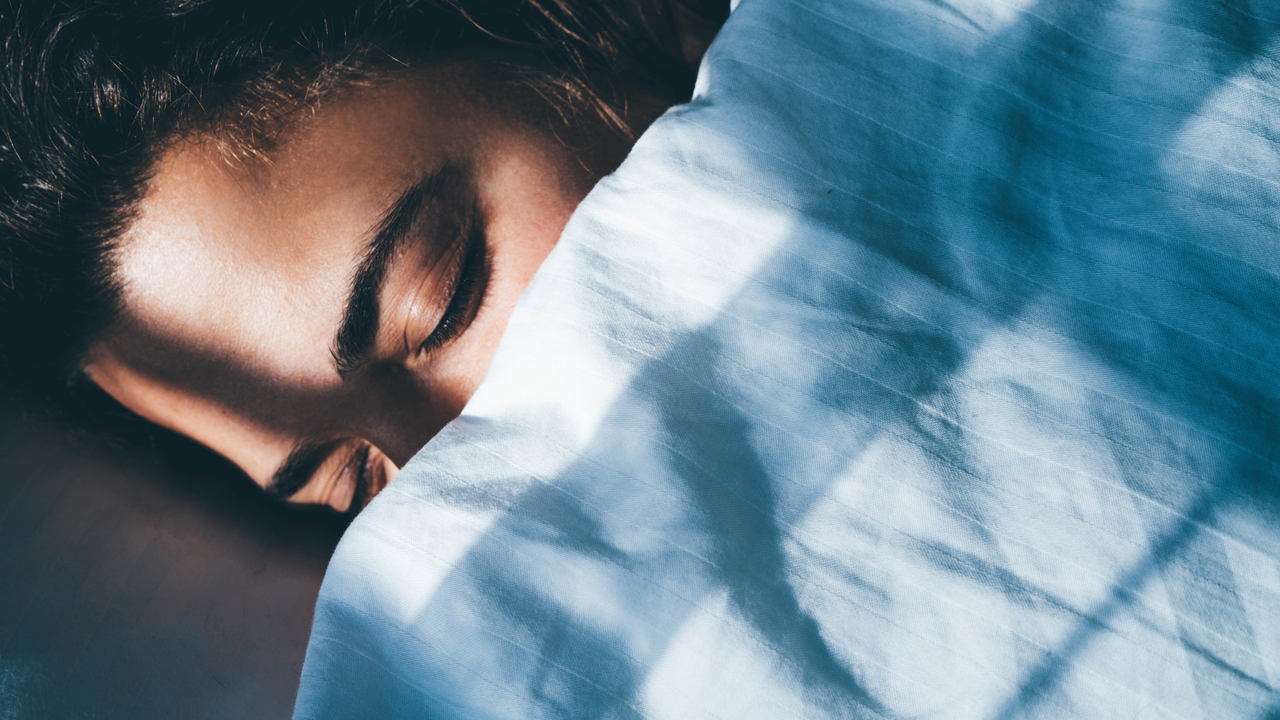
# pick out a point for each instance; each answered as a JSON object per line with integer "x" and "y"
{"x": 294, "y": 231}
{"x": 921, "y": 363}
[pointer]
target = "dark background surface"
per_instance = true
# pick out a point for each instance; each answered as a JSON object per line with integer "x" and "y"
{"x": 147, "y": 582}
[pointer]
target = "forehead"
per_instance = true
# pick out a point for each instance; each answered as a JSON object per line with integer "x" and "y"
{"x": 251, "y": 263}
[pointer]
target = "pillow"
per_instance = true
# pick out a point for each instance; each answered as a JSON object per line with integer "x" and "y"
{"x": 925, "y": 364}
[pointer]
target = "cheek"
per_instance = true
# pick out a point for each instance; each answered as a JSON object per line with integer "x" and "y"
{"x": 529, "y": 185}
{"x": 528, "y": 198}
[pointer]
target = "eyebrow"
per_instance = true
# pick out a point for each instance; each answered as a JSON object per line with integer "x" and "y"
{"x": 297, "y": 469}
{"x": 359, "y": 328}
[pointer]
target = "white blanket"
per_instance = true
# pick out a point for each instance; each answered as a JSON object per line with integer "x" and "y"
{"x": 924, "y": 365}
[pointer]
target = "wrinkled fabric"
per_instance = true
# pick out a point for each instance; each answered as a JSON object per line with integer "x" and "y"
{"x": 924, "y": 365}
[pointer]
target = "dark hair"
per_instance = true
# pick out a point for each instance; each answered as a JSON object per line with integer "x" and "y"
{"x": 93, "y": 88}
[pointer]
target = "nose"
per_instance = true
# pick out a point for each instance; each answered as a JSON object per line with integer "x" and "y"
{"x": 399, "y": 417}
{"x": 400, "y": 446}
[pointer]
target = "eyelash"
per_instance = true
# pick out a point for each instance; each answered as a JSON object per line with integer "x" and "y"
{"x": 470, "y": 284}
{"x": 359, "y": 464}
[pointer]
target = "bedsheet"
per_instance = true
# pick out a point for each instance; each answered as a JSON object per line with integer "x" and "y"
{"x": 923, "y": 365}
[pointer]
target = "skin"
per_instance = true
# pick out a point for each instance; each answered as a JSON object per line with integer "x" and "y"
{"x": 235, "y": 278}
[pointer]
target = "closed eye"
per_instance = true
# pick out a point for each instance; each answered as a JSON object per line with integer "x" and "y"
{"x": 342, "y": 474}
{"x": 470, "y": 281}
{"x": 434, "y": 199}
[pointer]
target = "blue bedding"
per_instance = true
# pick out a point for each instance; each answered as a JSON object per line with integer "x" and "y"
{"x": 924, "y": 365}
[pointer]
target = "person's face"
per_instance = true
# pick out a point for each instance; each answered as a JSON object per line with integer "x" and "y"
{"x": 317, "y": 317}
